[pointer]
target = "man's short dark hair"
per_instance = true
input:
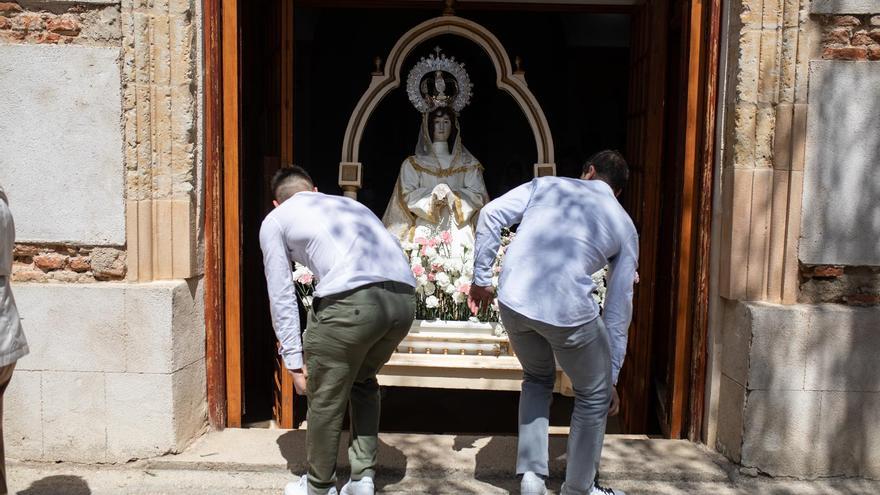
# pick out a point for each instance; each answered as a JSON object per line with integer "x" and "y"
{"x": 610, "y": 167}
{"x": 289, "y": 176}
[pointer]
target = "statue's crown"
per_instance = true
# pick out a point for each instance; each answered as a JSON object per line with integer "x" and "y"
{"x": 437, "y": 81}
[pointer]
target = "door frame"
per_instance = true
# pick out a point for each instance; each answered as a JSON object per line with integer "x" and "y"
{"x": 223, "y": 226}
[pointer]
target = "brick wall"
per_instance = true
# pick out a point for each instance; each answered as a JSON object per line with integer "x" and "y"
{"x": 67, "y": 263}
{"x": 853, "y": 285}
{"x": 57, "y": 23}
{"x": 851, "y": 37}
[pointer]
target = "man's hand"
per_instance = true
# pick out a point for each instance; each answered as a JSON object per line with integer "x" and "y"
{"x": 300, "y": 380}
{"x": 615, "y": 402}
{"x": 480, "y": 297}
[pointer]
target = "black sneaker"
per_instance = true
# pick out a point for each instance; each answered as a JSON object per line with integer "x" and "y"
{"x": 598, "y": 489}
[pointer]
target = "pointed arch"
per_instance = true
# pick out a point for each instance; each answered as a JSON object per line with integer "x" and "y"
{"x": 383, "y": 83}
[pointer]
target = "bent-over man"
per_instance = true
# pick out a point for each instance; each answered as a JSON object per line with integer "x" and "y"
{"x": 568, "y": 230}
{"x": 363, "y": 307}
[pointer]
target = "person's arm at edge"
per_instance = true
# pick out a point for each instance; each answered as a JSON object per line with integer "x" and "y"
{"x": 617, "y": 313}
{"x": 282, "y": 294}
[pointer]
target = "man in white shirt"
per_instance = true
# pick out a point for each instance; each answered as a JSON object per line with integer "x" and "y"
{"x": 363, "y": 307}
{"x": 13, "y": 345}
{"x": 568, "y": 230}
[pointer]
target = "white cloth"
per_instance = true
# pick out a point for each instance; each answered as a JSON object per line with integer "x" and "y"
{"x": 340, "y": 240}
{"x": 13, "y": 345}
{"x": 412, "y": 203}
{"x": 569, "y": 229}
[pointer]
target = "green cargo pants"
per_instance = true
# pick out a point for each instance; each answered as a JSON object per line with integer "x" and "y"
{"x": 349, "y": 337}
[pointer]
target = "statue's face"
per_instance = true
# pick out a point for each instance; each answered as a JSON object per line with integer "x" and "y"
{"x": 442, "y": 128}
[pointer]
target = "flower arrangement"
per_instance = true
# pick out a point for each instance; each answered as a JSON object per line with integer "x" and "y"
{"x": 443, "y": 278}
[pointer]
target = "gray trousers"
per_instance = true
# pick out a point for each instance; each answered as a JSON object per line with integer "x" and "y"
{"x": 584, "y": 354}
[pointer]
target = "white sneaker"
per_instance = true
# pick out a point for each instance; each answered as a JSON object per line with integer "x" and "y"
{"x": 363, "y": 486}
{"x": 301, "y": 487}
{"x": 532, "y": 484}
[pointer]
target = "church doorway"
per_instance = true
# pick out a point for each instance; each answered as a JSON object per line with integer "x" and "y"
{"x": 606, "y": 76}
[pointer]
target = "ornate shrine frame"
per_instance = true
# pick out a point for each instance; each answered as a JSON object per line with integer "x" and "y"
{"x": 382, "y": 83}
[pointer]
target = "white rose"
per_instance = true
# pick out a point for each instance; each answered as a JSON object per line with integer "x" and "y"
{"x": 450, "y": 289}
{"x": 442, "y": 279}
{"x": 429, "y": 288}
{"x": 430, "y": 252}
{"x": 459, "y": 297}
{"x": 432, "y": 302}
{"x": 422, "y": 231}
{"x": 422, "y": 280}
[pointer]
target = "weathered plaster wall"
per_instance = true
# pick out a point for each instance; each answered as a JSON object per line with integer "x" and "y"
{"x": 841, "y": 220}
{"x": 62, "y": 158}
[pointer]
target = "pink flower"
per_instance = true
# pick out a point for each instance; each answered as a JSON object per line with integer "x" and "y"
{"x": 418, "y": 270}
{"x": 432, "y": 277}
{"x": 423, "y": 251}
{"x": 432, "y": 242}
{"x": 464, "y": 288}
{"x": 420, "y": 241}
{"x": 436, "y": 268}
{"x": 305, "y": 279}
{"x": 446, "y": 236}
{"x": 497, "y": 270}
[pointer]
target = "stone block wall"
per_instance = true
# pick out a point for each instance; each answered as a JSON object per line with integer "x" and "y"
{"x": 116, "y": 372}
{"x": 798, "y": 312}
{"x": 801, "y": 384}
{"x": 100, "y": 125}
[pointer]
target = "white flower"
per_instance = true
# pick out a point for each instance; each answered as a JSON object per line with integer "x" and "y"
{"x": 300, "y": 270}
{"x": 422, "y": 231}
{"x": 432, "y": 302}
{"x": 430, "y": 252}
{"x": 429, "y": 288}
{"x": 450, "y": 289}
{"x": 422, "y": 280}
{"x": 459, "y": 297}
{"x": 495, "y": 281}
{"x": 442, "y": 280}
{"x": 462, "y": 281}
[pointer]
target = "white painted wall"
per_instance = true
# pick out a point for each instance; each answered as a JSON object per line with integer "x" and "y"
{"x": 840, "y": 216}
{"x": 61, "y": 156}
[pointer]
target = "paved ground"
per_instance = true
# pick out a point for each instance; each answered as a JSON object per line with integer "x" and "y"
{"x": 251, "y": 462}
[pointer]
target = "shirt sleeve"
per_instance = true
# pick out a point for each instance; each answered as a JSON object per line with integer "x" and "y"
{"x": 502, "y": 212}
{"x": 618, "y": 300}
{"x": 282, "y": 293}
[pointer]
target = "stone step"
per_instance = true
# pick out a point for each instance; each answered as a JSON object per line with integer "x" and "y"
{"x": 401, "y": 455}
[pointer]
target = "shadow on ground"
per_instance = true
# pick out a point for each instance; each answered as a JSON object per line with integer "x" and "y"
{"x": 58, "y": 485}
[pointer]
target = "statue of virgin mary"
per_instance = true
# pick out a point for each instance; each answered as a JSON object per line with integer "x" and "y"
{"x": 440, "y": 187}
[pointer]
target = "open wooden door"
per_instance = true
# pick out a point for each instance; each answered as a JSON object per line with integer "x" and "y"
{"x": 692, "y": 65}
{"x": 232, "y": 245}
{"x": 641, "y": 199}
{"x": 283, "y": 392}
{"x": 670, "y": 125}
